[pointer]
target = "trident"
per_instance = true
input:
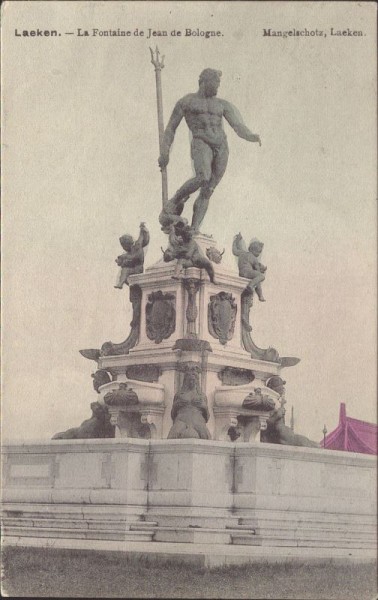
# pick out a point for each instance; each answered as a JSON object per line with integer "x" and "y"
{"x": 159, "y": 65}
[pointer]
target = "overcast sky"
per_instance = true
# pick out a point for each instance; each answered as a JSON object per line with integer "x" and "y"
{"x": 81, "y": 147}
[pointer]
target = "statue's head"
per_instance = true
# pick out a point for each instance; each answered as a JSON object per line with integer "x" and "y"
{"x": 256, "y": 247}
{"x": 190, "y": 380}
{"x": 97, "y": 410}
{"x": 191, "y": 377}
{"x": 100, "y": 377}
{"x": 127, "y": 242}
{"x": 209, "y": 81}
{"x": 277, "y": 384}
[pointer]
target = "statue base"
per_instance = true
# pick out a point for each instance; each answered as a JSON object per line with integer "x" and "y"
{"x": 201, "y": 498}
{"x": 183, "y": 319}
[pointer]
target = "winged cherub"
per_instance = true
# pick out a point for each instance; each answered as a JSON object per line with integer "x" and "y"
{"x": 132, "y": 260}
{"x": 248, "y": 263}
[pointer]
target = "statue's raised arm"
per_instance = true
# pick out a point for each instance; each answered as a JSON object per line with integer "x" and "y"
{"x": 144, "y": 236}
{"x": 238, "y": 245}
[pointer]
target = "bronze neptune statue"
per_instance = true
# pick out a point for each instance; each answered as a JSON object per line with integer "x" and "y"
{"x": 203, "y": 113}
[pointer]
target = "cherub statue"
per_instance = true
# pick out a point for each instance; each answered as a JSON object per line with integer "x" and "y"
{"x": 183, "y": 247}
{"x": 189, "y": 410}
{"x": 132, "y": 260}
{"x": 248, "y": 263}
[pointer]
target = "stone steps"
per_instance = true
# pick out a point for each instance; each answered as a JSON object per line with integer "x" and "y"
{"x": 72, "y": 533}
{"x": 319, "y": 538}
{"x": 74, "y": 524}
{"x": 78, "y": 523}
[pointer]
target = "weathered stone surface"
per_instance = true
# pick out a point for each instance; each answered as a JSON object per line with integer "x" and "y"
{"x": 234, "y": 376}
{"x": 279, "y": 497}
{"x": 192, "y": 345}
{"x": 149, "y": 373}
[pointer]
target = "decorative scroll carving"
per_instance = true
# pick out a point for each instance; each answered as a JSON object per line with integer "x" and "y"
{"x": 149, "y": 373}
{"x": 221, "y": 316}
{"x": 270, "y": 354}
{"x": 110, "y": 349}
{"x": 160, "y": 316}
{"x": 235, "y": 376}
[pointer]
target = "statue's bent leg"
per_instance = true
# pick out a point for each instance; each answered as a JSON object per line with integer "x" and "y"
{"x": 219, "y": 165}
{"x": 255, "y": 283}
{"x": 202, "y": 263}
{"x": 202, "y": 157}
{"x": 218, "y": 168}
{"x": 258, "y": 290}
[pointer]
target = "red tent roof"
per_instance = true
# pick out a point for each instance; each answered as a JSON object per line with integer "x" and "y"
{"x": 352, "y": 435}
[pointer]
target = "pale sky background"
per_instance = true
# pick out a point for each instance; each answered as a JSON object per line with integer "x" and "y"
{"x": 80, "y": 151}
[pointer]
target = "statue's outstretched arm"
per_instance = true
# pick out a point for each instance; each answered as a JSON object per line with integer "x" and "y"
{"x": 234, "y": 118}
{"x": 169, "y": 133}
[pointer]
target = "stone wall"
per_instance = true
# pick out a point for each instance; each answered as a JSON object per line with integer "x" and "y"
{"x": 189, "y": 492}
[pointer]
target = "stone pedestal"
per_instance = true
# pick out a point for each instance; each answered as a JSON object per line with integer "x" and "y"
{"x": 185, "y": 319}
{"x": 200, "y": 495}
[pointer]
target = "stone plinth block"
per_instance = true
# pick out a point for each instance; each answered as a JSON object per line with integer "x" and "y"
{"x": 190, "y": 473}
{"x": 190, "y": 492}
{"x": 76, "y": 471}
